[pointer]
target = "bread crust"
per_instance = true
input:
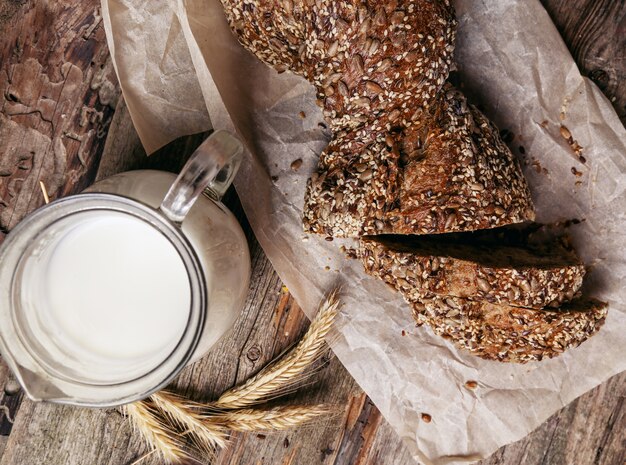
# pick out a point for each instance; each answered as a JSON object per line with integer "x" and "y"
{"x": 448, "y": 171}
{"x": 365, "y": 58}
{"x": 511, "y": 334}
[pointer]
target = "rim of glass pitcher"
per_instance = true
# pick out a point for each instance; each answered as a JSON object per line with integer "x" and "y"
{"x": 65, "y": 391}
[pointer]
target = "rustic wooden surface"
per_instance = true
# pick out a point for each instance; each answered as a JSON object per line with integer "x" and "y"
{"x": 58, "y": 97}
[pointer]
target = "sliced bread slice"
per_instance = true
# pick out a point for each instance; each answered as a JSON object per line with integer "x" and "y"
{"x": 533, "y": 277}
{"x": 511, "y": 334}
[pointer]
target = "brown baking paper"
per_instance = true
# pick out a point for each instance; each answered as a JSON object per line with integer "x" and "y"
{"x": 512, "y": 61}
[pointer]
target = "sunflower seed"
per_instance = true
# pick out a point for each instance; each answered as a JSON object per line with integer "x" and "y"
{"x": 366, "y": 175}
{"x": 338, "y": 198}
{"x": 374, "y": 87}
{"x": 385, "y": 65}
{"x": 450, "y": 221}
{"x": 475, "y": 186}
{"x": 483, "y": 284}
{"x": 565, "y": 133}
{"x": 342, "y": 25}
{"x": 333, "y": 48}
{"x": 452, "y": 313}
{"x": 332, "y": 79}
{"x": 356, "y": 64}
{"x": 362, "y": 102}
{"x": 365, "y": 26}
{"x": 360, "y": 167}
{"x": 525, "y": 285}
{"x": 394, "y": 115}
{"x": 389, "y": 140}
{"x": 277, "y": 44}
{"x": 330, "y": 90}
{"x": 373, "y": 48}
{"x": 343, "y": 89}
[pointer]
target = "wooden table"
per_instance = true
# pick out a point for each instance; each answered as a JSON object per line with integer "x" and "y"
{"x": 62, "y": 121}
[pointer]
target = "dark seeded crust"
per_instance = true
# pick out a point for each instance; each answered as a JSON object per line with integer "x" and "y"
{"x": 447, "y": 171}
{"x": 511, "y": 334}
{"x": 524, "y": 277}
{"x": 364, "y": 57}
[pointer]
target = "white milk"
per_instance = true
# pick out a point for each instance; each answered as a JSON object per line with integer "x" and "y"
{"x": 114, "y": 288}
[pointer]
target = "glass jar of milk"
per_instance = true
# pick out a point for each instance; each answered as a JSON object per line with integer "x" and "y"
{"x": 105, "y": 296}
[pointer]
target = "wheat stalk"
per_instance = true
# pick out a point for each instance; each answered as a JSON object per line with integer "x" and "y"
{"x": 183, "y": 413}
{"x": 158, "y": 434}
{"x": 286, "y": 371}
{"x": 274, "y": 419}
{"x": 166, "y": 417}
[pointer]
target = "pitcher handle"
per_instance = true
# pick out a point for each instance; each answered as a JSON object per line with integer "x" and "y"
{"x": 212, "y": 167}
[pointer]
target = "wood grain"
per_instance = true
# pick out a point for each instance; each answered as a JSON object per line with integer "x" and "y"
{"x": 57, "y": 95}
{"x": 588, "y": 431}
{"x": 595, "y": 33}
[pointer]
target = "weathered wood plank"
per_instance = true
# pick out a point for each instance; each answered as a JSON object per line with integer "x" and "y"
{"x": 590, "y": 430}
{"x": 57, "y": 95}
{"x": 595, "y": 32}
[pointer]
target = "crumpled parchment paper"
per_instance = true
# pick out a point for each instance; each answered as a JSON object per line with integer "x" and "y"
{"x": 512, "y": 60}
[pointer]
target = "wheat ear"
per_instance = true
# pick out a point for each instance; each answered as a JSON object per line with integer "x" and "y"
{"x": 287, "y": 370}
{"x": 274, "y": 419}
{"x": 159, "y": 435}
{"x": 183, "y": 413}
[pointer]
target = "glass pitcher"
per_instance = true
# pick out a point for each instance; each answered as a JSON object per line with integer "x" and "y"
{"x": 106, "y": 295}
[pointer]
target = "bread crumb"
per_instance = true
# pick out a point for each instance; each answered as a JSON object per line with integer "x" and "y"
{"x": 296, "y": 164}
{"x": 426, "y": 418}
{"x": 471, "y": 384}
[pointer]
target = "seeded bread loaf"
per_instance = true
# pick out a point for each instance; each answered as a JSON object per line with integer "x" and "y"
{"x": 366, "y": 58}
{"x": 511, "y": 334}
{"x": 446, "y": 171}
{"x": 519, "y": 276}
{"x": 409, "y": 155}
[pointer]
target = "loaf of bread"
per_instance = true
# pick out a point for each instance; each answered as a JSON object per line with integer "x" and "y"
{"x": 519, "y": 276}
{"x": 410, "y": 156}
{"x": 510, "y": 334}
{"x": 448, "y": 171}
{"x": 367, "y": 59}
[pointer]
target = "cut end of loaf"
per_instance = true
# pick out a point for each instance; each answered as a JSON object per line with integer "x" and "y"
{"x": 534, "y": 277}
